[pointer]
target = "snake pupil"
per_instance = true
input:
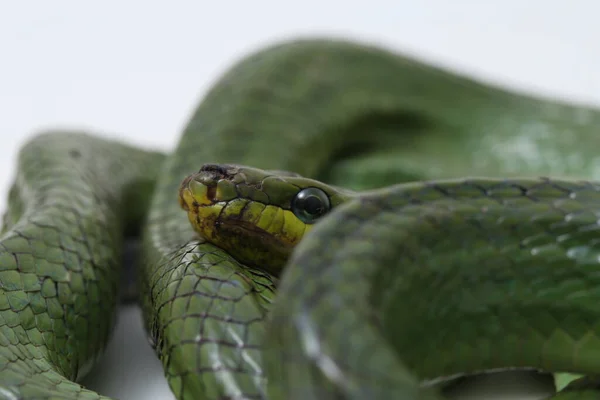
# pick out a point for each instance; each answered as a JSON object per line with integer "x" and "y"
{"x": 313, "y": 205}
{"x": 310, "y": 204}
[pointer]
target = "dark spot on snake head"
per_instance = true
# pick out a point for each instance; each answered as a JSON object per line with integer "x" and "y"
{"x": 210, "y": 174}
{"x": 216, "y": 169}
{"x": 211, "y": 193}
{"x": 74, "y": 153}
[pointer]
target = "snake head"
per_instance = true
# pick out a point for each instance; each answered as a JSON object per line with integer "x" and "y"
{"x": 255, "y": 215}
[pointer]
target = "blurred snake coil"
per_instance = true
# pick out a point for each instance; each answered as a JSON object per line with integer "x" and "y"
{"x": 460, "y": 234}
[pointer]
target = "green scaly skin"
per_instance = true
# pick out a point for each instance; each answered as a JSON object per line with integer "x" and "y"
{"x": 461, "y": 278}
{"x": 60, "y": 255}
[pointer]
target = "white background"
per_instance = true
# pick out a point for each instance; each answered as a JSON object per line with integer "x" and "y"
{"x": 136, "y": 70}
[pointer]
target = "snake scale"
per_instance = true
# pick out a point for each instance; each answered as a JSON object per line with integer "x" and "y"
{"x": 461, "y": 234}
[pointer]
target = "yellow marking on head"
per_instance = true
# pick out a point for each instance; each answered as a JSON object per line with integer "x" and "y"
{"x": 292, "y": 229}
{"x": 199, "y": 192}
{"x": 277, "y": 221}
{"x": 234, "y": 207}
{"x": 204, "y": 219}
{"x": 253, "y": 211}
{"x": 266, "y": 217}
{"x": 193, "y": 194}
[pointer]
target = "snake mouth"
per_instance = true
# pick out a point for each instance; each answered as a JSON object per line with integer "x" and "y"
{"x": 249, "y": 231}
{"x": 248, "y": 243}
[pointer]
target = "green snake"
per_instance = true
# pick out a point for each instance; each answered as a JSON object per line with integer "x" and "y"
{"x": 456, "y": 232}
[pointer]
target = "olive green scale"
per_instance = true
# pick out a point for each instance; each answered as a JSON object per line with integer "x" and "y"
{"x": 397, "y": 287}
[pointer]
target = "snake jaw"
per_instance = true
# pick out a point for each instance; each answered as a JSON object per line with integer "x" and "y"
{"x": 249, "y": 244}
{"x": 233, "y": 226}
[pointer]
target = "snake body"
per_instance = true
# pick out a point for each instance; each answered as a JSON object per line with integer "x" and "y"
{"x": 454, "y": 257}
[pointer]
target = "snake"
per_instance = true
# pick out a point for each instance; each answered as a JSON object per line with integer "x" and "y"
{"x": 336, "y": 221}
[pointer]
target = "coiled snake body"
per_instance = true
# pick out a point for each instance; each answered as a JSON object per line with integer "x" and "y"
{"x": 465, "y": 237}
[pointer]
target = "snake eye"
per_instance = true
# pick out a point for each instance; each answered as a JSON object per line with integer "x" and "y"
{"x": 310, "y": 204}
